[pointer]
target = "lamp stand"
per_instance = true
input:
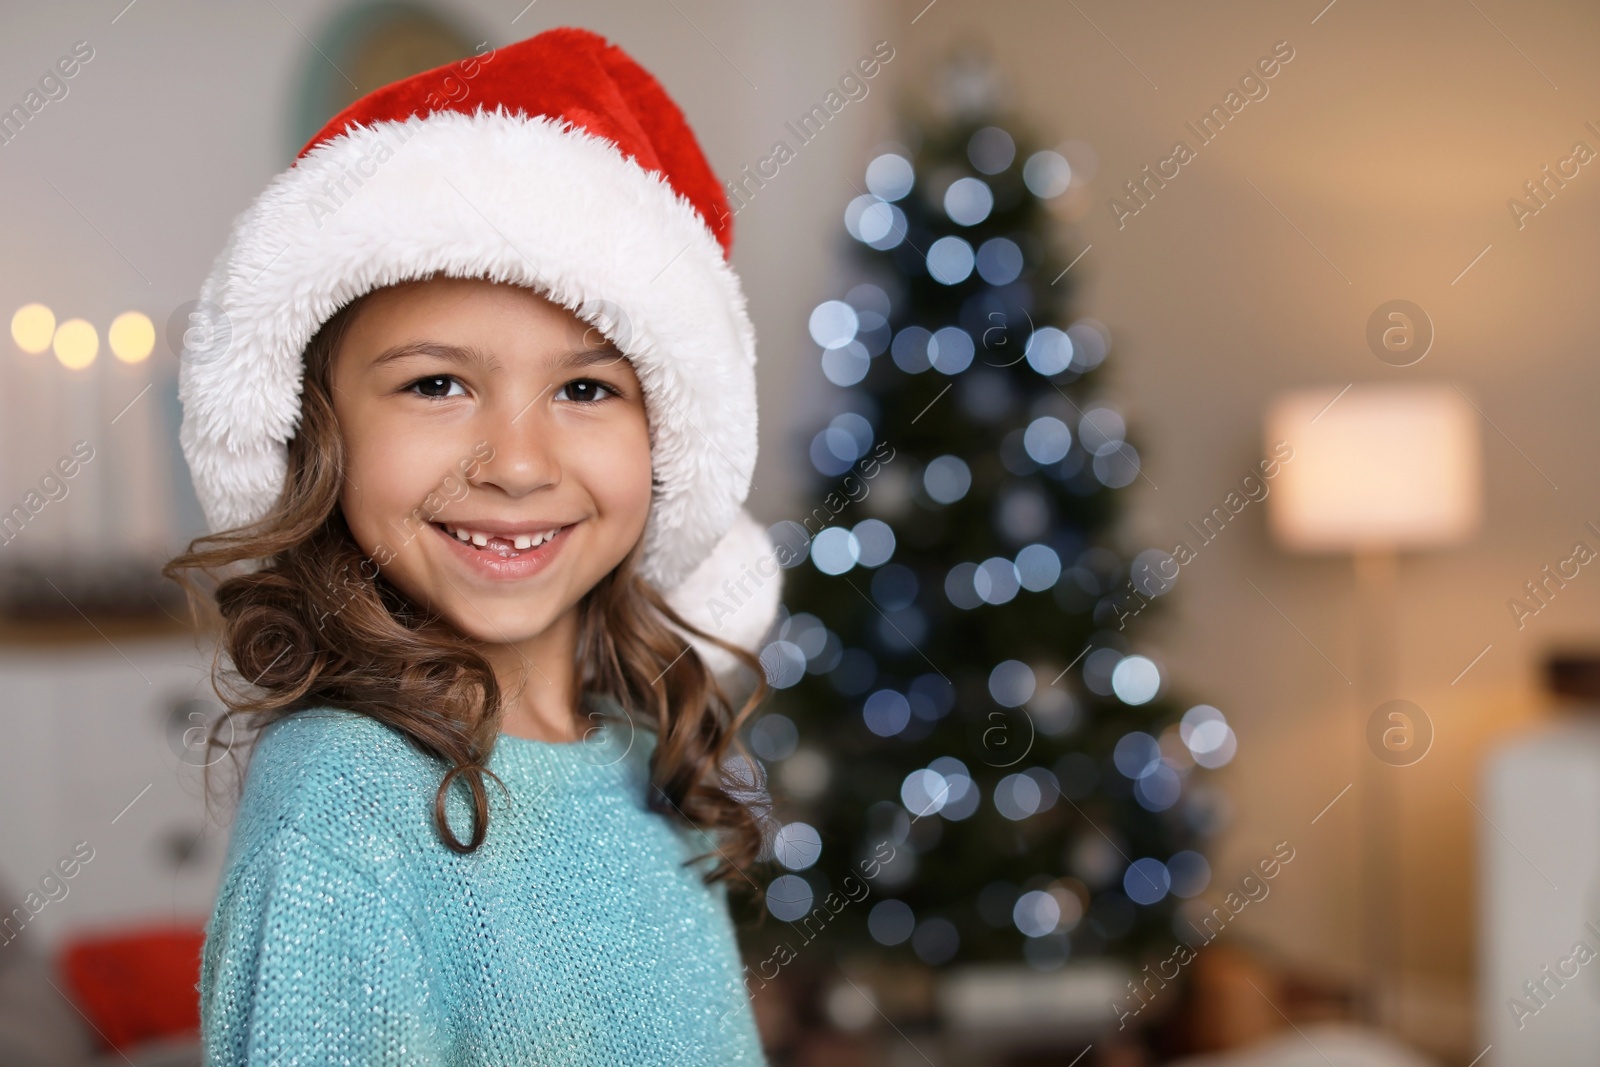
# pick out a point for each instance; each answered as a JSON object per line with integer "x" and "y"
{"x": 1377, "y": 574}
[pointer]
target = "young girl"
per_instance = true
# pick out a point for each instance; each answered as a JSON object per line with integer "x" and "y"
{"x": 474, "y": 425}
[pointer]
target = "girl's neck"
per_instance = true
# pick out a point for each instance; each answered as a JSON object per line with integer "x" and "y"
{"x": 538, "y": 683}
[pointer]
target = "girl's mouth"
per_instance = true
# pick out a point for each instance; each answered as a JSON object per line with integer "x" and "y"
{"x": 503, "y": 556}
{"x": 507, "y": 547}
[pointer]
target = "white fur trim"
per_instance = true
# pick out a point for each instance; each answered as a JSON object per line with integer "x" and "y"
{"x": 522, "y": 200}
{"x": 734, "y": 594}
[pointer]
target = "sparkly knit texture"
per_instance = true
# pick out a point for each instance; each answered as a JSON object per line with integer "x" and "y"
{"x": 346, "y": 932}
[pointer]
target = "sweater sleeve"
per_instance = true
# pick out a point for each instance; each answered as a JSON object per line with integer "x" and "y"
{"x": 307, "y": 962}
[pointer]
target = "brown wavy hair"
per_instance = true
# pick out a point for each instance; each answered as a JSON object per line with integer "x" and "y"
{"x": 305, "y": 619}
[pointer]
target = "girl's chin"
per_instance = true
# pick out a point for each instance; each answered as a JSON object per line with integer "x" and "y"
{"x": 483, "y": 624}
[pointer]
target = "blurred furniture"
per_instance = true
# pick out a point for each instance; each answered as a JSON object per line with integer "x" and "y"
{"x": 1239, "y": 997}
{"x": 102, "y": 722}
{"x": 1318, "y": 1045}
{"x": 138, "y": 985}
{"x": 38, "y": 1024}
{"x": 124, "y": 1000}
{"x": 998, "y": 1008}
{"x": 1539, "y": 868}
{"x": 1377, "y": 469}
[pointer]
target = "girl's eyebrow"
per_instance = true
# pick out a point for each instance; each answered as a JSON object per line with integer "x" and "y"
{"x": 465, "y": 354}
{"x": 605, "y": 355}
{"x": 437, "y": 350}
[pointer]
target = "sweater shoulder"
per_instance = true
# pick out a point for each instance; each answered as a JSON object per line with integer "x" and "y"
{"x": 353, "y": 784}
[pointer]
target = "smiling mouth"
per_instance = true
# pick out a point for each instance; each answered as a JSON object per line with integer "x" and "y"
{"x": 504, "y": 546}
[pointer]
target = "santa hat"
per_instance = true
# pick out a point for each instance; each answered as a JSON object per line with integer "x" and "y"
{"x": 559, "y": 164}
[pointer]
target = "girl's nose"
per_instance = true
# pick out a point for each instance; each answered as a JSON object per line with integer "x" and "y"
{"x": 525, "y": 459}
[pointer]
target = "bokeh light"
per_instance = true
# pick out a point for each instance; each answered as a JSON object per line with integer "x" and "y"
{"x": 874, "y": 542}
{"x": 1190, "y": 873}
{"x": 847, "y": 365}
{"x": 1047, "y": 440}
{"x": 1049, "y": 351}
{"x": 991, "y": 150}
{"x": 797, "y": 845}
{"x": 1038, "y": 567}
{"x": 1136, "y": 680}
{"x": 968, "y": 201}
{"x": 835, "y": 550}
{"x": 783, "y": 663}
{"x": 950, "y": 350}
{"x": 924, "y": 791}
{"x": 1047, "y": 174}
{"x": 890, "y": 922}
{"x": 1136, "y": 754}
{"x": 947, "y": 479}
{"x": 1146, "y": 880}
{"x": 833, "y": 323}
{"x": 1018, "y": 796}
{"x": 890, "y": 176}
{"x": 1091, "y": 343}
{"x": 132, "y": 337}
{"x": 999, "y": 261}
{"x": 874, "y": 222}
{"x": 950, "y": 260}
{"x": 1011, "y": 683}
{"x": 1208, "y": 735}
{"x": 32, "y": 328}
{"x": 76, "y": 344}
{"x": 996, "y": 580}
{"x": 1036, "y": 913}
{"x": 886, "y": 712}
{"x": 774, "y": 737}
{"x": 909, "y": 349}
{"x": 789, "y": 897}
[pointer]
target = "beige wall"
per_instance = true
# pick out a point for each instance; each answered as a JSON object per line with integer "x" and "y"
{"x": 1392, "y": 141}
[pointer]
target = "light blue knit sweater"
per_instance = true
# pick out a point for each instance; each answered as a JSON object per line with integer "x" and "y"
{"x": 345, "y": 932}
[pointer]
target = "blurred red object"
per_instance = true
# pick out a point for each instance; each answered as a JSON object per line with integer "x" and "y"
{"x": 137, "y": 985}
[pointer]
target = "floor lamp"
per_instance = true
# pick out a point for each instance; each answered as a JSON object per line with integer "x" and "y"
{"x": 1377, "y": 469}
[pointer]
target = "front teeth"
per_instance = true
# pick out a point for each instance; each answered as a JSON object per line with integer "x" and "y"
{"x": 521, "y": 542}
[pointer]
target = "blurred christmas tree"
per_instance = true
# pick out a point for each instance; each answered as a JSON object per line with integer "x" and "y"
{"x": 956, "y": 670}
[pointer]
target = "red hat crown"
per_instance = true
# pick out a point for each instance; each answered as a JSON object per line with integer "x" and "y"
{"x": 571, "y": 74}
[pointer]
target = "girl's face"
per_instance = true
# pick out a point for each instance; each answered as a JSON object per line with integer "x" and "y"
{"x": 482, "y": 411}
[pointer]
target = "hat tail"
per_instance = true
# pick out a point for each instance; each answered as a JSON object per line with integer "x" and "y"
{"x": 734, "y": 594}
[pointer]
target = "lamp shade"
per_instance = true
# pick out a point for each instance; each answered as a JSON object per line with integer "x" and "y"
{"x": 1380, "y": 467}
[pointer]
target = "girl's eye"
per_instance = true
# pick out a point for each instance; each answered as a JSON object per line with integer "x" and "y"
{"x": 585, "y": 391}
{"x": 437, "y": 387}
